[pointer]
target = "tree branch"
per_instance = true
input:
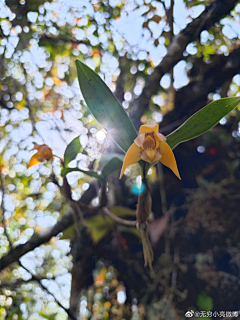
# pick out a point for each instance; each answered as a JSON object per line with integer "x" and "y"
{"x": 67, "y": 220}
{"x": 71, "y": 315}
{"x": 213, "y": 13}
{"x": 190, "y": 98}
{"x": 45, "y": 235}
{"x": 61, "y": 38}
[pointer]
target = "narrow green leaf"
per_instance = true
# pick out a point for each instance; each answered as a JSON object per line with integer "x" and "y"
{"x": 105, "y": 107}
{"x": 90, "y": 173}
{"x": 123, "y": 211}
{"x": 72, "y": 150}
{"x": 202, "y": 121}
{"x": 115, "y": 163}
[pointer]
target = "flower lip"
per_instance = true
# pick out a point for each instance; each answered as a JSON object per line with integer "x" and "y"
{"x": 149, "y": 142}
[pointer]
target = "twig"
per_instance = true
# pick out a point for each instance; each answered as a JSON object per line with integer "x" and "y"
{"x": 59, "y": 131}
{"x": 171, "y": 91}
{"x": 171, "y": 20}
{"x": 35, "y": 278}
{"x": 127, "y": 223}
{"x": 164, "y": 6}
{"x": 19, "y": 282}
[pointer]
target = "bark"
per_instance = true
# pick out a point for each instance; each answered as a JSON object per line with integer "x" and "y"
{"x": 213, "y": 13}
{"x": 83, "y": 265}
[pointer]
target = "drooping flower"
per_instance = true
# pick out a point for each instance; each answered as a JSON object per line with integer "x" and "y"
{"x": 150, "y": 146}
{"x": 43, "y": 153}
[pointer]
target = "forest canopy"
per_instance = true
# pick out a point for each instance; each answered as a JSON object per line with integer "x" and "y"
{"x": 69, "y": 246}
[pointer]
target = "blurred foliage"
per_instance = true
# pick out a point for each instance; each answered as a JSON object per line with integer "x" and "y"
{"x": 40, "y": 103}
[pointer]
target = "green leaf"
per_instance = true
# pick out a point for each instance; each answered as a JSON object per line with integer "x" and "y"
{"x": 98, "y": 227}
{"x": 69, "y": 233}
{"x": 105, "y": 107}
{"x": 72, "y": 150}
{"x": 48, "y": 317}
{"x": 202, "y": 121}
{"x": 204, "y": 301}
{"x": 115, "y": 163}
{"x": 90, "y": 173}
{"x": 123, "y": 211}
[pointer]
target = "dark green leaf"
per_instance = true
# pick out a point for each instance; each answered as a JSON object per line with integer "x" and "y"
{"x": 114, "y": 163}
{"x": 90, "y": 173}
{"x": 70, "y": 232}
{"x": 202, "y": 121}
{"x": 105, "y": 107}
{"x": 72, "y": 150}
{"x": 98, "y": 227}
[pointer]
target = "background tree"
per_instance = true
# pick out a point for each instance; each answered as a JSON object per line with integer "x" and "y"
{"x": 63, "y": 252}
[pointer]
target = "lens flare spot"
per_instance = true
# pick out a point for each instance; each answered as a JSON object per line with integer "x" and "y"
{"x": 100, "y": 136}
{"x": 138, "y": 188}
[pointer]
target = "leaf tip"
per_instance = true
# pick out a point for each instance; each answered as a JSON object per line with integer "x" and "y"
{"x": 78, "y": 64}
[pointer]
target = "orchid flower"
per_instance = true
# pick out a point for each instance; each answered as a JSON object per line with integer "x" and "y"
{"x": 43, "y": 153}
{"x": 150, "y": 146}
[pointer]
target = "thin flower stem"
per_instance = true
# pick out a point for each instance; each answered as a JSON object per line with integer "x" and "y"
{"x": 144, "y": 170}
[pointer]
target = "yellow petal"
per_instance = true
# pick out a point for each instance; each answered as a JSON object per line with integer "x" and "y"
{"x": 148, "y": 128}
{"x": 132, "y": 156}
{"x": 33, "y": 161}
{"x": 168, "y": 158}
